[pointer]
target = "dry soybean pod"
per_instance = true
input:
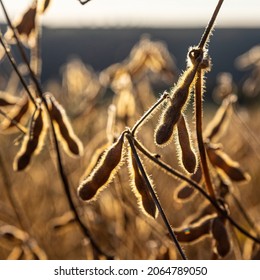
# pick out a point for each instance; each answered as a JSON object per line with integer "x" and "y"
{"x": 186, "y": 152}
{"x": 216, "y": 125}
{"x": 70, "y": 142}
{"x": 16, "y": 115}
{"x": 104, "y": 172}
{"x": 223, "y": 162}
{"x": 220, "y": 234}
{"x": 196, "y": 231}
{"x": 25, "y": 26}
{"x": 33, "y": 141}
{"x": 140, "y": 188}
{"x": 181, "y": 92}
{"x": 7, "y": 99}
{"x": 184, "y": 191}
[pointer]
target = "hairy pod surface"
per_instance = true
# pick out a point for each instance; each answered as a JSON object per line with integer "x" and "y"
{"x": 180, "y": 96}
{"x": 104, "y": 172}
{"x": 140, "y": 188}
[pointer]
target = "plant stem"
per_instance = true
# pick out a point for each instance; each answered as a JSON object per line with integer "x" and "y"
{"x": 63, "y": 177}
{"x": 21, "y": 50}
{"x": 205, "y": 37}
{"x": 172, "y": 172}
{"x": 14, "y": 122}
{"x": 202, "y": 151}
{"x": 14, "y": 65}
{"x": 148, "y": 113}
{"x": 155, "y": 199}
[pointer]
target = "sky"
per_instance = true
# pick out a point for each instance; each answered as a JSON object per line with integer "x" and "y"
{"x": 145, "y": 13}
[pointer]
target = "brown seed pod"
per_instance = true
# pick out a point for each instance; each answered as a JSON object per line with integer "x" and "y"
{"x": 195, "y": 231}
{"x": 7, "y": 99}
{"x": 180, "y": 96}
{"x": 184, "y": 191}
{"x": 16, "y": 115}
{"x": 32, "y": 142}
{"x": 219, "y": 121}
{"x": 13, "y": 234}
{"x": 15, "y": 254}
{"x": 220, "y": 234}
{"x": 62, "y": 221}
{"x": 125, "y": 105}
{"x": 70, "y": 142}
{"x": 186, "y": 152}
{"x": 140, "y": 188}
{"x": 43, "y": 5}
{"x": 25, "y": 27}
{"x": 104, "y": 172}
{"x": 224, "y": 163}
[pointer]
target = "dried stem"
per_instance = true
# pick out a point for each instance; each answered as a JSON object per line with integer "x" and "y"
{"x": 205, "y": 37}
{"x": 170, "y": 171}
{"x": 21, "y": 50}
{"x": 14, "y": 122}
{"x": 14, "y": 65}
{"x": 202, "y": 151}
{"x": 148, "y": 113}
{"x": 155, "y": 199}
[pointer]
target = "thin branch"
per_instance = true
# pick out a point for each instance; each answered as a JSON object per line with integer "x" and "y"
{"x": 155, "y": 199}
{"x": 84, "y": 2}
{"x": 205, "y": 37}
{"x": 14, "y": 122}
{"x": 202, "y": 151}
{"x": 22, "y": 52}
{"x": 148, "y": 113}
{"x": 63, "y": 177}
{"x": 14, "y": 65}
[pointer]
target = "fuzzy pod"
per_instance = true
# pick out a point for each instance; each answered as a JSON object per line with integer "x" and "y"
{"x": 220, "y": 234}
{"x": 188, "y": 157}
{"x": 65, "y": 133}
{"x": 140, "y": 188}
{"x": 16, "y": 115}
{"x": 180, "y": 96}
{"x": 195, "y": 231}
{"x": 223, "y": 162}
{"x": 104, "y": 171}
{"x": 33, "y": 141}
